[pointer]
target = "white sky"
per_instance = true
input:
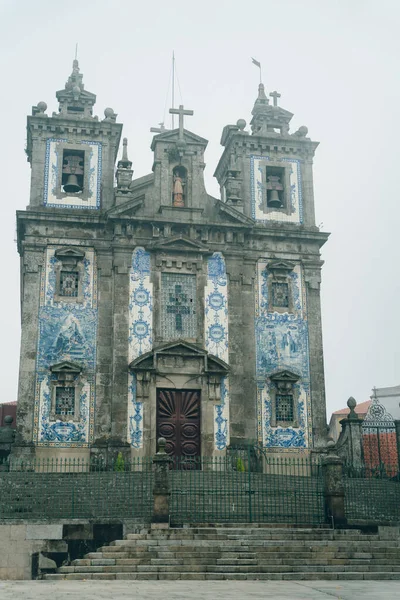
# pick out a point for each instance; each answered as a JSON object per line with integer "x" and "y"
{"x": 336, "y": 66}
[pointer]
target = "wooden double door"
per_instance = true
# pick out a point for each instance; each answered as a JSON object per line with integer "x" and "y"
{"x": 178, "y": 421}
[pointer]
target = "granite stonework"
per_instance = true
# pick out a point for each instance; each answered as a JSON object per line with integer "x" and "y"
{"x": 172, "y": 283}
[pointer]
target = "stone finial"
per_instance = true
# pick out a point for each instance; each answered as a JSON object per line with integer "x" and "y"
{"x": 241, "y": 123}
{"x": 124, "y": 169}
{"x": 162, "y": 442}
{"x": 8, "y": 420}
{"x": 302, "y": 131}
{"x": 110, "y": 115}
{"x": 351, "y": 403}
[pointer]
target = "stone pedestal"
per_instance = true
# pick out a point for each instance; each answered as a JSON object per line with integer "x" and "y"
{"x": 332, "y": 468}
{"x": 161, "y": 491}
{"x": 7, "y": 436}
{"x": 349, "y": 445}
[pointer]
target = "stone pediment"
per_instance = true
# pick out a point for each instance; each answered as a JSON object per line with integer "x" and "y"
{"x": 232, "y": 215}
{"x": 284, "y": 375}
{"x": 127, "y": 209}
{"x": 173, "y": 136}
{"x": 280, "y": 265}
{"x": 180, "y": 243}
{"x": 69, "y": 252}
{"x": 66, "y": 366}
{"x": 180, "y": 355}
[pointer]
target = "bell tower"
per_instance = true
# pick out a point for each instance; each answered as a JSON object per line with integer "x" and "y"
{"x": 72, "y": 154}
{"x": 266, "y": 174}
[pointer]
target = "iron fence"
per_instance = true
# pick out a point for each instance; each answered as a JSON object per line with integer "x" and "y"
{"x": 380, "y": 448}
{"x": 44, "y": 489}
{"x": 233, "y": 489}
{"x": 372, "y": 493}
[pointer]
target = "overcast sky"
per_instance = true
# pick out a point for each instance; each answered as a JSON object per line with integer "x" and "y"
{"x": 336, "y": 65}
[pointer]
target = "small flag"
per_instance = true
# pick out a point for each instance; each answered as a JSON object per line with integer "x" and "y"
{"x": 255, "y": 62}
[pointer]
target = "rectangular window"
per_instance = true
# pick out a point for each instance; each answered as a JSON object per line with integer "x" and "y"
{"x": 178, "y": 306}
{"x": 284, "y": 408}
{"x": 69, "y": 284}
{"x": 280, "y": 294}
{"x": 73, "y": 171}
{"x": 275, "y": 177}
{"x": 65, "y": 401}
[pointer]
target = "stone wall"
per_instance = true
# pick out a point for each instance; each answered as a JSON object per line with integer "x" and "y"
{"x": 19, "y": 541}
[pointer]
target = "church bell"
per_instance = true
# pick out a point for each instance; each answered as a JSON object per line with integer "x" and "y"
{"x": 274, "y": 200}
{"x": 73, "y": 173}
{"x": 72, "y": 186}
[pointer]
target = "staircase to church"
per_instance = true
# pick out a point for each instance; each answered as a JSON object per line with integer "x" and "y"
{"x": 240, "y": 552}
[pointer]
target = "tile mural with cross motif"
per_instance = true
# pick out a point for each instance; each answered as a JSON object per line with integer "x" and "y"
{"x": 140, "y": 338}
{"x": 217, "y": 338}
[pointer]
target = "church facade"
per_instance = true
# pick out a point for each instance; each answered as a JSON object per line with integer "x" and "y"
{"x": 149, "y": 307}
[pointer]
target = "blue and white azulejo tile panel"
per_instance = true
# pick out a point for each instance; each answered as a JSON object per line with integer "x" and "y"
{"x": 217, "y": 338}
{"x": 282, "y": 344}
{"x": 54, "y": 196}
{"x": 294, "y": 214}
{"x": 67, "y": 332}
{"x": 140, "y": 335}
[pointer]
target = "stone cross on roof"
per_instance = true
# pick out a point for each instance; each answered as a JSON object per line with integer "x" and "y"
{"x": 275, "y": 95}
{"x": 181, "y": 112}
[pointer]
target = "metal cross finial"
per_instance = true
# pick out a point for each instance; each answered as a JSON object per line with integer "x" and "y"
{"x": 160, "y": 129}
{"x": 275, "y": 95}
{"x": 181, "y": 112}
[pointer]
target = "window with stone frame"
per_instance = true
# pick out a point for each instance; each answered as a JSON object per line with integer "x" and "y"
{"x": 276, "y": 193}
{"x": 178, "y": 306}
{"x": 69, "y": 274}
{"x": 284, "y": 392}
{"x": 73, "y": 171}
{"x": 280, "y": 286}
{"x": 69, "y": 281}
{"x": 280, "y": 294}
{"x": 66, "y": 386}
{"x": 65, "y": 400}
{"x": 284, "y": 408}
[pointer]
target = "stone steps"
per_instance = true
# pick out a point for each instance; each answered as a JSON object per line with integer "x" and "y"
{"x": 240, "y": 553}
{"x": 309, "y": 575}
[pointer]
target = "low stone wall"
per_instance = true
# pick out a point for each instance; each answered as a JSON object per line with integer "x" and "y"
{"x": 29, "y": 548}
{"x": 20, "y": 541}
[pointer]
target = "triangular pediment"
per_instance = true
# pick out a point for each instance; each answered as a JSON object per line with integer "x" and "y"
{"x": 211, "y": 364}
{"x": 66, "y": 366}
{"x": 280, "y": 265}
{"x": 232, "y": 215}
{"x": 284, "y": 375}
{"x": 182, "y": 243}
{"x": 173, "y": 136}
{"x": 69, "y": 252}
{"x": 126, "y": 209}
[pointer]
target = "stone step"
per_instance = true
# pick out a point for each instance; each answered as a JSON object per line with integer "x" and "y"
{"x": 311, "y": 575}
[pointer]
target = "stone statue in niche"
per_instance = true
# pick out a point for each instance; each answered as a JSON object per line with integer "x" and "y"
{"x": 178, "y": 190}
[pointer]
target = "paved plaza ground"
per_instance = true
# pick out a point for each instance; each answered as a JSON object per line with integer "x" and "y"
{"x": 199, "y": 590}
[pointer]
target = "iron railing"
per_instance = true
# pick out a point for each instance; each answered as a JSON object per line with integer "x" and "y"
{"x": 238, "y": 490}
{"x": 372, "y": 493}
{"x": 44, "y": 489}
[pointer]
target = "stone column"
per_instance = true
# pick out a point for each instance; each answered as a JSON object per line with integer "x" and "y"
{"x": 332, "y": 469}
{"x": 161, "y": 491}
{"x": 317, "y": 378}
